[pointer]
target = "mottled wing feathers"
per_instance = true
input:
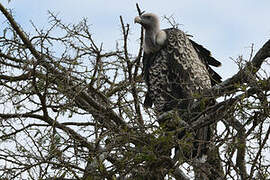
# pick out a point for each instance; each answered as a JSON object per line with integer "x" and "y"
{"x": 205, "y": 56}
{"x": 187, "y": 70}
{"x": 184, "y": 60}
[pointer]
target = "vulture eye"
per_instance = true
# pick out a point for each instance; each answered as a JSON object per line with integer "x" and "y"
{"x": 147, "y": 17}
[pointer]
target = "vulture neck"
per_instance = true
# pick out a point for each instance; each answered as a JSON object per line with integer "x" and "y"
{"x": 150, "y": 40}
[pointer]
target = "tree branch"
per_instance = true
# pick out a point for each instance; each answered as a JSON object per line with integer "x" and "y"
{"x": 242, "y": 76}
{"x": 82, "y": 99}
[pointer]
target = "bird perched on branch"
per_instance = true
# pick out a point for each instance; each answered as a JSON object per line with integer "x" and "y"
{"x": 175, "y": 69}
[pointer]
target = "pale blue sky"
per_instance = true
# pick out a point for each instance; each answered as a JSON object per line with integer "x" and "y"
{"x": 227, "y": 28}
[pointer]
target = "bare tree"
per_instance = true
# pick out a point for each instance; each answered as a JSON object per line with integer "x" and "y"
{"x": 70, "y": 110}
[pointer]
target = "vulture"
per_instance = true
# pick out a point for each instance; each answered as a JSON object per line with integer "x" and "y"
{"x": 176, "y": 70}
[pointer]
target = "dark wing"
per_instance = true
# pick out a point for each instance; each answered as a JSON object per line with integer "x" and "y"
{"x": 148, "y": 60}
{"x": 214, "y": 76}
{"x": 205, "y": 56}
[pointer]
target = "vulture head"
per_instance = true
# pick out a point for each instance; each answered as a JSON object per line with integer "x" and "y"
{"x": 149, "y": 21}
{"x": 154, "y": 37}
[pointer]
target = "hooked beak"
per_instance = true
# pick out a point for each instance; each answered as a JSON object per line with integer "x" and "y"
{"x": 138, "y": 19}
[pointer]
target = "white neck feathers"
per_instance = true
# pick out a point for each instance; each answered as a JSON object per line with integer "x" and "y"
{"x": 154, "y": 40}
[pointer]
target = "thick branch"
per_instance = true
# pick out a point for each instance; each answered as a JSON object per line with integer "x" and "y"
{"x": 241, "y": 152}
{"x": 243, "y": 75}
{"x": 20, "y": 32}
